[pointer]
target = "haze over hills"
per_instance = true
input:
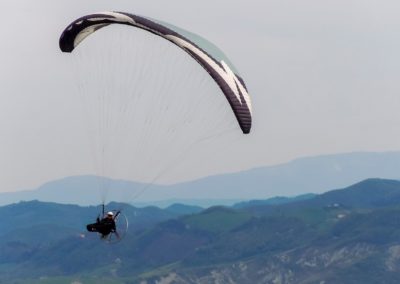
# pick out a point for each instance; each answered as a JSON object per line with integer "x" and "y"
{"x": 312, "y": 174}
{"x": 351, "y": 235}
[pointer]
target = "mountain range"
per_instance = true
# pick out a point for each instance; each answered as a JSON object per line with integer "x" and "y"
{"x": 311, "y": 174}
{"x": 348, "y": 235}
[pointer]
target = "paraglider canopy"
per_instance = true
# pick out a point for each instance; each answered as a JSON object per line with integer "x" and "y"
{"x": 205, "y": 53}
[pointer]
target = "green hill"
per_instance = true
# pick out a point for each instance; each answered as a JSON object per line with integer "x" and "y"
{"x": 350, "y": 235}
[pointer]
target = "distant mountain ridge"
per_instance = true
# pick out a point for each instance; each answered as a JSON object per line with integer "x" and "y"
{"x": 368, "y": 194}
{"x": 312, "y": 174}
{"x": 274, "y": 200}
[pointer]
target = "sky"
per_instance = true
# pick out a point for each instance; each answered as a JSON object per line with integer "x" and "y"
{"x": 323, "y": 77}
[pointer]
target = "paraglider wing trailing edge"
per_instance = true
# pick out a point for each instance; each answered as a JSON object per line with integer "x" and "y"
{"x": 204, "y": 52}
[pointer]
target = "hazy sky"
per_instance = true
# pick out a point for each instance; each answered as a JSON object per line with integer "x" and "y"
{"x": 323, "y": 77}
